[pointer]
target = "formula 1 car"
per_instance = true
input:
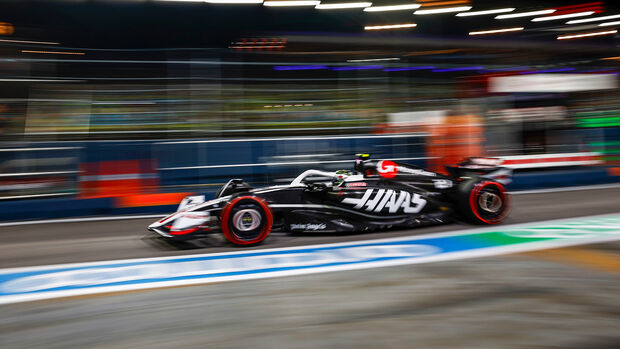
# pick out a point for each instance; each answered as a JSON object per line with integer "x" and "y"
{"x": 376, "y": 194}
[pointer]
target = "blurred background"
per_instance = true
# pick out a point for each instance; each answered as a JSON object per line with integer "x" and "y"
{"x": 112, "y": 111}
{"x": 125, "y": 106}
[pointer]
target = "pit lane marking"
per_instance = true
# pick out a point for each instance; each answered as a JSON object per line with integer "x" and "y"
{"x": 65, "y": 280}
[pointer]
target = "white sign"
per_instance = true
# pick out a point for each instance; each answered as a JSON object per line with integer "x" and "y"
{"x": 552, "y": 83}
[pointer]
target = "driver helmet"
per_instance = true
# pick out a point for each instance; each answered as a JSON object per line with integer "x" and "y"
{"x": 340, "y": 177}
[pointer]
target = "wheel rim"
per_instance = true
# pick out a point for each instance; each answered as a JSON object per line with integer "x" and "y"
{"x": 246, "y": 220}
{"x": 490, "y": 202}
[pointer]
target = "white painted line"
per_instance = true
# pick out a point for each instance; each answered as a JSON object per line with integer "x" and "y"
{"x": 526, "y": 247}
{"x": 562, "y": 189}
{"x": 83, "y": 219}
{"x": 293, "y": 248}
{"x": 441, "y": 257}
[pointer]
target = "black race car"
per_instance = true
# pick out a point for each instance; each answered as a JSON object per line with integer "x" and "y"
{"x": 376, "y": 194}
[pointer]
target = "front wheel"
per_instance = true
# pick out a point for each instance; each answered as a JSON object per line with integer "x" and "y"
{"x": 485, "y": 202}
{"x": 246, "y": 220}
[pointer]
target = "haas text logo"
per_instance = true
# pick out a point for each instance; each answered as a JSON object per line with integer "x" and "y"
{"x": 389, "y": 199}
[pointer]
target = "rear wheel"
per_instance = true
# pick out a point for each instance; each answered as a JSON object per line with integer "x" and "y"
{"x": 246, "y": 220}
{"x": 485, "y": 202}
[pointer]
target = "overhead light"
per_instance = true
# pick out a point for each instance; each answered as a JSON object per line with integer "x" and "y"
{"x": 568, "y": 15}
{"x": 494, "y": 31}
{"x": 291, "y": 3}
{"x": 526, "y": 14}
{"x": 392, "y": 8}
{"x": 390, "y": 26}
{"x": 30, "y": 42}
{"x": 606, "y": 24}
{"x": 584, "y": 35}
{"x": 487, "y": 12}
{"x": 442, "y": 10}
{"x": 234, "y": 1}
{"x": 594, "y": 19}
{"x": 343, "y": 5}
{"x": 436, "y": 4}
{"x": 54, "y": 52}
{"x": 373, "y": 60}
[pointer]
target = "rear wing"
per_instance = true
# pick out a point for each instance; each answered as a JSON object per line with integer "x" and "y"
{"x": 490, "y": 168}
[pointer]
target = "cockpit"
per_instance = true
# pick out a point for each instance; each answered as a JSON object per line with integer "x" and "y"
{"x": 335, "y": 179}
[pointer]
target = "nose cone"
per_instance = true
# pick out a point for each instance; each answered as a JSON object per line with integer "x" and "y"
{"x": 158, "y": 227}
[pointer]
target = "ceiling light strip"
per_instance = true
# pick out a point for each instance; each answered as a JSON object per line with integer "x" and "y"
{"x": 442, "y": 10}
{"x": 286, "y": 3}
{"x": 30, "y": 42}
{"x": 392, "y": 8}
{"x": 584, "y": 35}
{"x": 568, "y": 15}
{"x": 444, "y": 3}
{"x": 486, "y": 12}
{"x": 606, "y": 24}
{"x": 343, "y": 5}
{"x": 593, "y": 19}
{"x": 390, "y": 26}
{"x": 495, "y": 31}
{"x": 525, "y": 14}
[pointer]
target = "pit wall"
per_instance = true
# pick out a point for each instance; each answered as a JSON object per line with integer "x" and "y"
{"x": 98, "y": 178}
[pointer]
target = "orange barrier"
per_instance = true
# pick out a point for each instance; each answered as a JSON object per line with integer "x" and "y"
{"x": 459, "y": 137}
{"x": 149, "y": 199}
{"x": 614, "y": 171}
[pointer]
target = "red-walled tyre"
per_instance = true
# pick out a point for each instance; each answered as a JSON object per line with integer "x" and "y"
{"x": 246, "y": 220}
{"x": 484, "y": 202}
